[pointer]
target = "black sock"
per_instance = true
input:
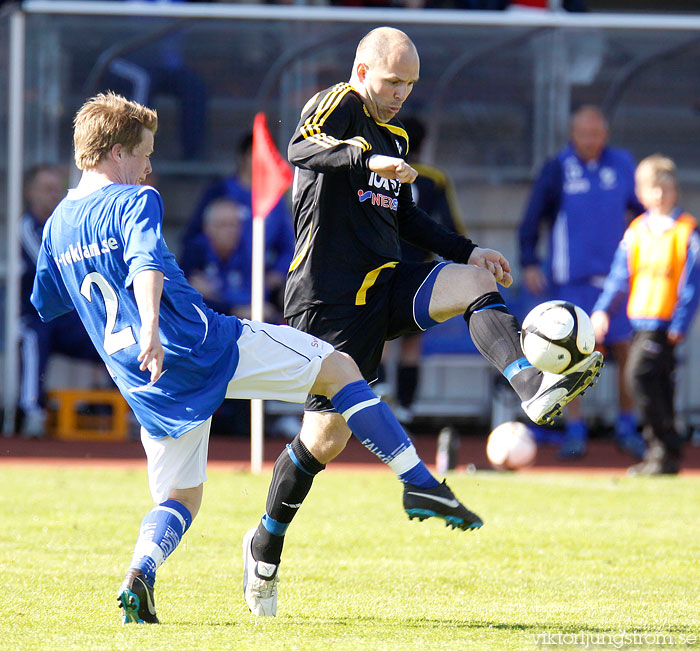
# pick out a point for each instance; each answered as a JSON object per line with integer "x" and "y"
{"x": 406, "y": 381}
{"x": 292, "y": 477}
{"x": 496, "y": 334}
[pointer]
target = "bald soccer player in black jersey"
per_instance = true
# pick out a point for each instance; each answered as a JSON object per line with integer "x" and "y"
{"x": 352, "y": 204}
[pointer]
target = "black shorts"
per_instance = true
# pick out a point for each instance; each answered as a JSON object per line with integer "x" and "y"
{"x": 361, "y": 330}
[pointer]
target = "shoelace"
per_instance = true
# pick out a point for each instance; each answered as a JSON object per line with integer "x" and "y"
{"x": 264, "y": 588}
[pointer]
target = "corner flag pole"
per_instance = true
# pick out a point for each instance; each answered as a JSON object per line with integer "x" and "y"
{"x": 257, "y": 407}
{"x": 271, "y": 178}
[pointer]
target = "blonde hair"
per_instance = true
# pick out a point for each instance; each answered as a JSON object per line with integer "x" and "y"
{"x": 106, "y": 120}
{"x": 655, "y": 169}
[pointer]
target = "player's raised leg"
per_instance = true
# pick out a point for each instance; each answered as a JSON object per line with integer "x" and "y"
{"x": 495, "y": 331}
{"x": 176, "y": 471}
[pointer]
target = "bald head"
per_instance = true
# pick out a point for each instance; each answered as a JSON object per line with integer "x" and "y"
{"x": 382, "y": 44}
{"x": 385, "y": 69}
{"x": 589, "y": 132}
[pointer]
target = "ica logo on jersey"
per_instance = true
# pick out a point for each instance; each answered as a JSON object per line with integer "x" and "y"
{"x": 378, "y": 198}
{"x": 390, "y": 185}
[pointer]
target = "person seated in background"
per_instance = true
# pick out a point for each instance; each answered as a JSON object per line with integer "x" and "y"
{"x": 656, "y": 268}
{"x": 279, "y": 236}
{"x": 434, "y": 192}
{"x": 44, "y": 187}
{"x": 217, "y": 262}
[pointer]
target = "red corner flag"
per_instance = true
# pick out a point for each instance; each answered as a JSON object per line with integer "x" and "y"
{"x": 271, "y": 173}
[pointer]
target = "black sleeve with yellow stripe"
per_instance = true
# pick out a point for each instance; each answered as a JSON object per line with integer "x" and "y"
{"x": 418, "y": 229}
{"x": 325, "y": 138}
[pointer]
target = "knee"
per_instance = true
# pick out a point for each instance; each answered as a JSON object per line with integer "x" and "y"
{"x": 325, "y": 449}
{"x": 465, "y": 284}
{"x": 324, "y": 435}
{"x": 190, "y": 498}
{"x": 482, "y": 280}
{"x": 337, "y": 370}
{"x": 340, "y": 367}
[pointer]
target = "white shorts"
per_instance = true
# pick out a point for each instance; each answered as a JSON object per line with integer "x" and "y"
{"x": 176, "y": 463}
{"x": 275, "y": 363}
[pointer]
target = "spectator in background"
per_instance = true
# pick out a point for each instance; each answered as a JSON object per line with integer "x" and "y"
{"x": 218, "y": 264}
{"x": 44, "y": 187}
{"x": 656, "y": 268}
{"x": 160, "y": 68}
{"x": 434, "y": 193}
{"x": 582, "y": 196}
{"x": 279, "y": 236}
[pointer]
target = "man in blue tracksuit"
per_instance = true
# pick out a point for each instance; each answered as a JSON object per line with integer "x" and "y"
{"x": 583, "y": 195}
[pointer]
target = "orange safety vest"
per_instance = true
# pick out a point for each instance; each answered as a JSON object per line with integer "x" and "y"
{"x": 655, "y": 264}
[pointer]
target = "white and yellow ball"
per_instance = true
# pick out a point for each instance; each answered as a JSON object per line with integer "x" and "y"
{"x": 556, "y": 336}
{"x": 511, "y": 446}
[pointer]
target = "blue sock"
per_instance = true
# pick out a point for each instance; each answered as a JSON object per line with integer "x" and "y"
{"x": 161, "y": 531}
{"x": 375, "y": 425}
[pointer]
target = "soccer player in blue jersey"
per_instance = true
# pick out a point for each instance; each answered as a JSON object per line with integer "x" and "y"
{"x": 174, "y": 360}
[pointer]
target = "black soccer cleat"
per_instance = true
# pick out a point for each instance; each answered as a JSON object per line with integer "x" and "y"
{"x": 438, "y": 502}
{"x": 136, "y": 599}
{"x": 556, "y": 391}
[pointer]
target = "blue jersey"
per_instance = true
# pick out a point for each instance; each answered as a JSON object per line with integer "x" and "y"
{"x": 586, "y": 206}
{"x": 92, "y": 248}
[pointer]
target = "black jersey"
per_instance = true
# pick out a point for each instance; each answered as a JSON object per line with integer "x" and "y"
{"x": 348, "y": 221}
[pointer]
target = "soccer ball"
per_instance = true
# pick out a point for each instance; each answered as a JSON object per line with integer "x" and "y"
{"x": 511, "y": 446}
{"x": 557, "y": 335}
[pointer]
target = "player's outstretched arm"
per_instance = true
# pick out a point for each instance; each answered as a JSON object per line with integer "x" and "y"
{"x": 390, "y": 167}
{"x": 148, "y": 288}
{"x": 493, "y": 261}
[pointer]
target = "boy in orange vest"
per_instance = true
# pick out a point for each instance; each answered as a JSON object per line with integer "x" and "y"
{"x": 656, "y": 268}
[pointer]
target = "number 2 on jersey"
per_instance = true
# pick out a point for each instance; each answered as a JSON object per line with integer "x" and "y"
{"x": 114, "y": 341}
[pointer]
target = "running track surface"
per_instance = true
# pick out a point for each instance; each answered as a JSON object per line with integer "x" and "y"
{"x": 234, "y": 453}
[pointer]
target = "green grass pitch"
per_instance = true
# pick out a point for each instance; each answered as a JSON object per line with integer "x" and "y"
{"x": 562, "y": 561}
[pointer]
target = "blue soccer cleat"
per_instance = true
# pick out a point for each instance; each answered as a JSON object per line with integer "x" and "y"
{"x": 136, "y": 600}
